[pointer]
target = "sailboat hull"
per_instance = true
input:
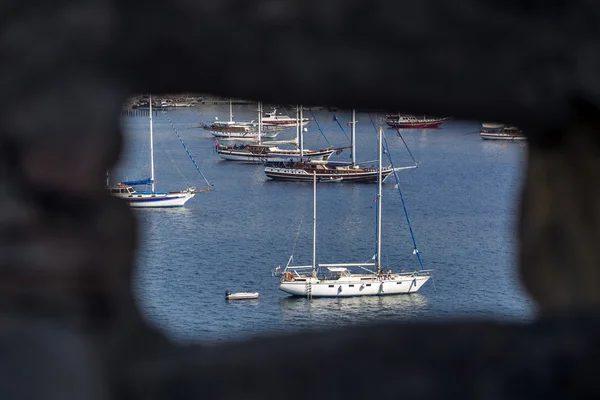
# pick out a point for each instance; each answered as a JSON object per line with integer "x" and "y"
{"x": 245, "y": 135}
{"x": 242, "y": 156}
{"x": 354, "y": 286}
{"x": 158, "y": 200}
{"x": 331, "y": 174}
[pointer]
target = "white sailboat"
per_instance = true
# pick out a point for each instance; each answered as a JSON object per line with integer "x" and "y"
{"x": 339, "y": 280}
{"x": 126, "y": 190}
{"x": 260, "y": 153}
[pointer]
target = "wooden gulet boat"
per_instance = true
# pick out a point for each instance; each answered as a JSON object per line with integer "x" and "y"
{"x": 410, "y": 121}
{"x": 231, "y": 129}
{"x": 329, "y": 171}
{"x": 263, "y": 153}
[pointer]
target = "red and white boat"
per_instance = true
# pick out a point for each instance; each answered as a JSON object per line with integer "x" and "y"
{"x": 411, "y": 121}
{"x": 282, "y": 120}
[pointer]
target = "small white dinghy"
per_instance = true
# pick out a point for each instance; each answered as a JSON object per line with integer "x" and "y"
{"x": 240, "y": 295}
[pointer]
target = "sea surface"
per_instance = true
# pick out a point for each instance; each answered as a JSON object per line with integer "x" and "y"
{"x": 462, "y": 202}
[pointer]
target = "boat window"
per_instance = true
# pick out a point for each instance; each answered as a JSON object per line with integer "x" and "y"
{"x": 368, "y": 284}
{"x": 351, "y": 285}
{"x": 330, "y": 285}
{"x": 114, "y": 190}
{"x": 398, "y": 283}
{"x": 124, "y": 191}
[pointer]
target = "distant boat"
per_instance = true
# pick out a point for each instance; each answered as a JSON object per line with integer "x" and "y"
{"x": 338, "y": 280}
{"x": 240, "y": 295}
{"x": 261, "y": 153}
{"x": 241, "y": 130}
{"x": 411, "y": 121}
{"x": 154, "y": 199}
{"x": 281, "y": 120}
{"x": 329, "y": 171}
{"x": 493, "y": 131}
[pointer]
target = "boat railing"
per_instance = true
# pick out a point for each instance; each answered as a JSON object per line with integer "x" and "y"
{"x": 424, "y": 272}
{"x": 347, "y": 265}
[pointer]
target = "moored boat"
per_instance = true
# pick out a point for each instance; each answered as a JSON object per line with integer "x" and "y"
{"x": 328, "y": 171}
{"x": 339, "y": 280}
{"x": 152, "y": 198}
{"x": 281, "y": 120}
{"x": 263, "y": 152}
{"x": 241, "y": 295}
{"x": 240, "y": 130}
{"x": 324, "y": 171}
{"x": 494, "y": 131}
{"x": 410, "y": 121}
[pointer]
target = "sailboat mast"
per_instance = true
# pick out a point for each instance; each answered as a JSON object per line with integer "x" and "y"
{"x": 151, "y": 148}
{"x": 353, "y": 140}
{"x": 299, "y": 122}
{"x": 230, "y": 112}
{"x": 379, "y": 181}
{"x": 297, "y": 128}
{"x": 314, "y": 249}
{"x": 259, "y": 120}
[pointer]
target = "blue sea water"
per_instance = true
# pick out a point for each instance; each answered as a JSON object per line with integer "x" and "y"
{"x": 462, "y": 201}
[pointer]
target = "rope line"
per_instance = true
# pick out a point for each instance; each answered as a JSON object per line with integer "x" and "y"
{"x": 186, "y": 149}
{"x": 319, "y": 126}
{"x": 297, "y": 235}
{"x": 412, "y": 234}
{"x": 401, "y": 137}
{"x": 335, "y": 118}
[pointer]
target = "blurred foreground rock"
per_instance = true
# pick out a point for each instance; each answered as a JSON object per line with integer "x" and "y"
{"x": 69, "y": 327}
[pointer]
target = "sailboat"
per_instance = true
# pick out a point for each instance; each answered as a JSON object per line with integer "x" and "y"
{"x": 126, "y": 190}
{"x": 303, "y": 171}
{"x": 243, "y": 130}
{"x": 339, "y": 280}
{"x": 269, "y": 152}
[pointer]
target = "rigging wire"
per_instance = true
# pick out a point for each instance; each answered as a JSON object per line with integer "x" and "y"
{"x": 335, "y": 118}
{"x": 297, "y": 236}
{"x": 186, "y": 149}
{"x": 412, "y": 234}
{"x": 401, "y": 137}
{"x": 319, "y": 126}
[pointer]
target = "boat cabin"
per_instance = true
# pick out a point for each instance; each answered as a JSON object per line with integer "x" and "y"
{"x": 121, "y": 189}
{"x": 491, "y": 127}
